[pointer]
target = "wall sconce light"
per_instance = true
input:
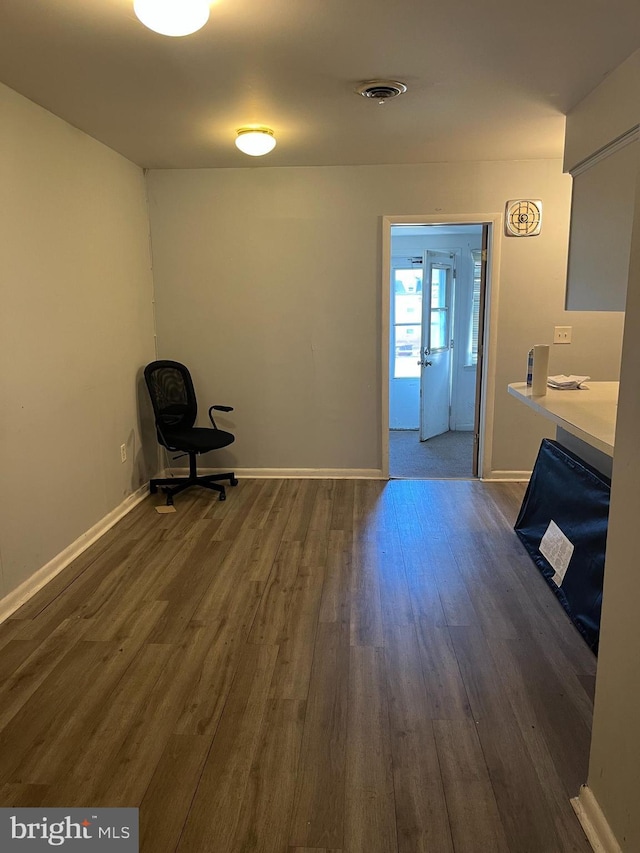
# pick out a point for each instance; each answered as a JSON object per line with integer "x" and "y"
{"x": 172, "y": 17}
{"x": 255, "y": 141}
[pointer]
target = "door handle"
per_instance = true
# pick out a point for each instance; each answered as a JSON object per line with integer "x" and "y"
{"x": 425, "y": 363}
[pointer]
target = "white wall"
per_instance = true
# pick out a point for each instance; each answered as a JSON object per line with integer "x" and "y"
{"x": 75, "y": 327}
{"x": 268, "y": 284}
{"x": 614, "y": 767}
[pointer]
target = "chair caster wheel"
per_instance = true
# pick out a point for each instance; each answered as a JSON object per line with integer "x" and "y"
{"x": 222, "y": 497}
{"x": 233, "y": 481}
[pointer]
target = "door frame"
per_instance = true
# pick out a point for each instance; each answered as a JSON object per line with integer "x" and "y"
{"x": 487, "y": 373}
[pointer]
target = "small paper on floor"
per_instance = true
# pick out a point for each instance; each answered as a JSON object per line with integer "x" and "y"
{"x": 163, "y": 509}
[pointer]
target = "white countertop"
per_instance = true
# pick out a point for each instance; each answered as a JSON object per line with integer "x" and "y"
{"x": 588, "y": 413}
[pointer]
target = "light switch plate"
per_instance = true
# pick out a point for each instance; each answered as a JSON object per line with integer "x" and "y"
{"x": 562, "y": 334}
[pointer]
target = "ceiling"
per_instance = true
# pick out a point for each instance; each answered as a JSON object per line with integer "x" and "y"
{"x": 486, "y": 80}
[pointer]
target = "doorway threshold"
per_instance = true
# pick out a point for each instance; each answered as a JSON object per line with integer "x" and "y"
{"x": 445, "y": 457}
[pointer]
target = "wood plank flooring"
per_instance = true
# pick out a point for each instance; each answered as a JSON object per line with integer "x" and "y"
{"x": 312, "y": 666}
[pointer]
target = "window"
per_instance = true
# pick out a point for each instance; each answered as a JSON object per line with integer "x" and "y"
{"x": 439, "y": 339}
{"x": 407, "y": 322}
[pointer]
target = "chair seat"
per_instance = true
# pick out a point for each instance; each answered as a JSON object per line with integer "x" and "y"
{"x": 197, "y": 439}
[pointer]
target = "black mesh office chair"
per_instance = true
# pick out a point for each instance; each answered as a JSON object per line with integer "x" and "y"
{"x": 174, "y": 404}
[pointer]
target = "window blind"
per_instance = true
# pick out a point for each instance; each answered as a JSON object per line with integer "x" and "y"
{"x": 476, "y": 255}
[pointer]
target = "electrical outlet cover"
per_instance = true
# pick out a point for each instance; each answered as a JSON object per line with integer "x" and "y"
{"x": 562, "y": 334}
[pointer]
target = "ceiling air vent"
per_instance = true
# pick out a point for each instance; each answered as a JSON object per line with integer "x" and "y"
{"x": 381, "y": 90}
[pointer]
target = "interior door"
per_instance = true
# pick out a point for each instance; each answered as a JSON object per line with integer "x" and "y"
{"x": 435, "y": 356}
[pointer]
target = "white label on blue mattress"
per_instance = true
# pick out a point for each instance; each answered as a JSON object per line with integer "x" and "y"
{"x": 558, "y": 550}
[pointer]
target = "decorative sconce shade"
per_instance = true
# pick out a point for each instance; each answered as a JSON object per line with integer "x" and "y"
{"x": 255, "y": 141}
{"x": 172, "y": 17}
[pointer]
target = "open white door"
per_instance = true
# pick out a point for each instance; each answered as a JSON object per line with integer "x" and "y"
{"x": 435, "y": 358}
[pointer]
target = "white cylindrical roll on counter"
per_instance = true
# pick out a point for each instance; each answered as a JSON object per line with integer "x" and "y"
{"x": 540, "y": 370}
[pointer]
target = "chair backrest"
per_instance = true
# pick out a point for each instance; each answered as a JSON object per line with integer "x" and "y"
{"x": 172, "y": 396}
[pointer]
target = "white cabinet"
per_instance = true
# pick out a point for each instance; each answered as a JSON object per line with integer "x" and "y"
{"x": 600, "y": 235}
{"x": 601, "y": 153}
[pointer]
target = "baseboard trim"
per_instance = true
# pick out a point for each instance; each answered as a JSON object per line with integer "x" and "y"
{"x": 508, "y": 476}
{"x": 288, "y": 473}
{"x": 594, "y": 823}
{"x": 27, "y": 589}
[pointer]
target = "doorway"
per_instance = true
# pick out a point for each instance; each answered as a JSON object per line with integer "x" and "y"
{"x": 436, "y": 297}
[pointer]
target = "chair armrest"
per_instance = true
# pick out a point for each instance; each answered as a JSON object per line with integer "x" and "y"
{"x": 218, "y": 409}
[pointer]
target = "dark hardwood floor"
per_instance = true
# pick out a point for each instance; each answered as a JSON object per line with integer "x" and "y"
{"x": 313, "y": 665}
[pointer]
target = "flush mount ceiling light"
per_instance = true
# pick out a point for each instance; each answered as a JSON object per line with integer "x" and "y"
{"x": 172, "y": 17}
{"x": 381, "y": 90}
{"x": 255, "y": 141}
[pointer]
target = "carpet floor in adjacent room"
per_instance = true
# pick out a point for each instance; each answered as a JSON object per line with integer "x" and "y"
{"x": 444, "y": 456}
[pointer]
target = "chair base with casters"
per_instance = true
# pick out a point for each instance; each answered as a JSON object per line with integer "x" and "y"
{"x": 174, "y": 485}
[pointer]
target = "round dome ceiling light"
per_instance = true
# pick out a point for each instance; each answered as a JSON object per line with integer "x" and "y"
{"x": 381, "y": 90}
{"x": 255, "y": 141}
{"x": 172, "y": 17}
